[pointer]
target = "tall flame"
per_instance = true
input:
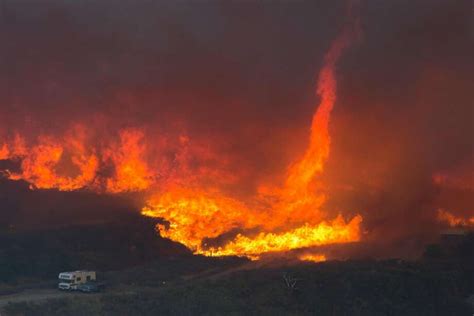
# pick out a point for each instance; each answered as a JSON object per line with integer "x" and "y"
{"x": 131, "y": 170}
{"x": 302, "y": 172}
{"x": 294, "y": 220}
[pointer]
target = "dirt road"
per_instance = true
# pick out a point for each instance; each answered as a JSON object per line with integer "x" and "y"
{"x": 36, "y": 295}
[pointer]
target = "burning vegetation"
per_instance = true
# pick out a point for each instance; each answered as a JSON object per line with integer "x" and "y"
{"x": 219, "y": 195}
{"x": 452, "y": 220}
{"x": 292, "y": 220}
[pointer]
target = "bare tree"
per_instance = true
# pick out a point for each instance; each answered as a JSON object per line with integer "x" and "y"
{"x": 290, "y": 282}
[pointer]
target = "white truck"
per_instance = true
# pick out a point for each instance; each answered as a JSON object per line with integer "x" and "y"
{"x": 71, "y": 280}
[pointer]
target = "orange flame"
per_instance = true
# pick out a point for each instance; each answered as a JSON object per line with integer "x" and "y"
{"x": 452, "y": 220}
{"x": 131, "y": 170}
{"x": 15, "y": 149}
{"x": 4, "y": 152}
{"x": 195, "y": 215}
{"x": 312, "y": 257}
{"x": 69, "y": 163}
{"x": 303, "y": 172}
{"x": 294, "y": 220}
{"x": 336, "y": 231}
{"x": 64, "y": 164}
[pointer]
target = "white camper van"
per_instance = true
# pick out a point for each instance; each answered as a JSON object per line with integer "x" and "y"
{"x": 70, "y": 280}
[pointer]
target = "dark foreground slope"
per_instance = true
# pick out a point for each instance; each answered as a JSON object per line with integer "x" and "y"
{"x": 434, "y": 285}
{"x": 42, "y": 254}
{"x": 44, "y": 232}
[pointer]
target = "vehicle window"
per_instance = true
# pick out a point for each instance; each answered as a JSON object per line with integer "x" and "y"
{"x": 88, "y": 278}
{"x": 78, "y": 279}
{"x": 65, "y": 281}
